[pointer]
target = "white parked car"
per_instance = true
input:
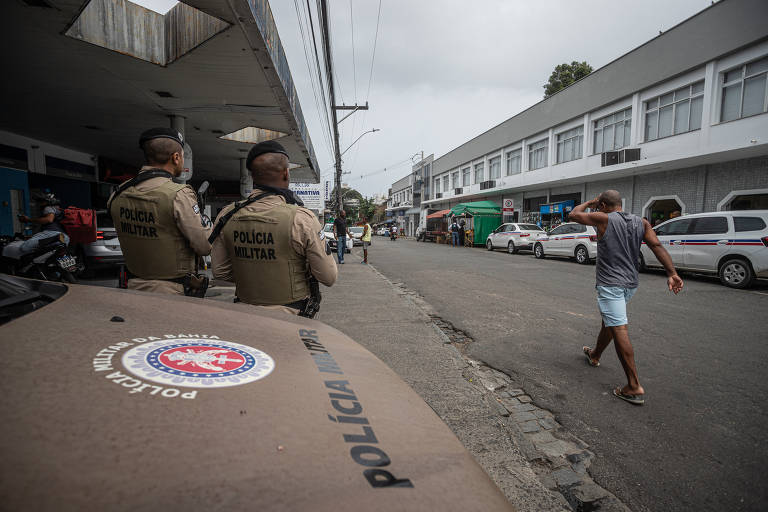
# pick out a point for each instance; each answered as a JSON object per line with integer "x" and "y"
{"x": 382, "y": 232}
{"x": 357, "y": 235}
{"x": 328, "y": 232}
{"x": 733, "y": 245}
{"x": 513, "y": 237}
{"x": 570, "y": 239}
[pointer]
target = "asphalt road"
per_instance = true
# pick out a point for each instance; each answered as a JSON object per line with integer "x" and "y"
{"x": 698, "y": 443}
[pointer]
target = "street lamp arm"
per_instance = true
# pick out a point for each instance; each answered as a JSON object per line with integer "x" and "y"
{"x": 360, "y": 137}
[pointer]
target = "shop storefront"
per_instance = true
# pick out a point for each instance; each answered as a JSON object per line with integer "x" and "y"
{"x": 554, "y": 214}
{"x": 481, "y": 218}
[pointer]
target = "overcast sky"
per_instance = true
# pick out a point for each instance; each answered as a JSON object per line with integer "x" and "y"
{"x": 446, "y": 71}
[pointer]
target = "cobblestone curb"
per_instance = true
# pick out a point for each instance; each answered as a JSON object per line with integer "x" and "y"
{"x": 560, "y": 460}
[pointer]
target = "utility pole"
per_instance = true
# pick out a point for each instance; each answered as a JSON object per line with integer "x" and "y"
{"x": 329, "y": 73}
{"x": 334, "y": 107}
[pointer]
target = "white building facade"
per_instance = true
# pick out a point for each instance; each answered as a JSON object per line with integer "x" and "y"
{"x": 401, "y": 201}
{"x": 679, "y": 123}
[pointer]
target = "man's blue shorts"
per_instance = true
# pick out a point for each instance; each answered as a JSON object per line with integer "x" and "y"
{"x": 612, "y": 302}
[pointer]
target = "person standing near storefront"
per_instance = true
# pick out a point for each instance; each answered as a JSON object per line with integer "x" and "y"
{"x": 454, "y": 233}
{"x": 462, "y": 232}
{"x": 269, "y": 245}
{"x": 158, "y": 221}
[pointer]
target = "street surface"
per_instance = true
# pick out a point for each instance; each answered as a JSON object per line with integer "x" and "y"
{"x": 699, "y": 441}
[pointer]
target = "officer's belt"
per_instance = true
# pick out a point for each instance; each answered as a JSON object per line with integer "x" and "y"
{"x": 299, "y": 304}
{"x": 178, "y": 280}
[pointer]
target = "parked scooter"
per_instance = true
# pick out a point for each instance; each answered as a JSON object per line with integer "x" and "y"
{"x": 51, "y": 261}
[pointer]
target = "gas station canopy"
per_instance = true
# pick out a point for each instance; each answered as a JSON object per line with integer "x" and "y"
{"x": 91, "y": 75}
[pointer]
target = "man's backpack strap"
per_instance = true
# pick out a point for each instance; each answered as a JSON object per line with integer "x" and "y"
{"x": 238, "y": 206}
{"x": 144, "y": 176}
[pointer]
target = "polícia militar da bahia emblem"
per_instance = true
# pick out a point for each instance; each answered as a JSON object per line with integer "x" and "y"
{"x": 198, "y": 363}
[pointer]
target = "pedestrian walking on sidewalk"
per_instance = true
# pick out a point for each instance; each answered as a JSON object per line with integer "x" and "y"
{"x": 366, "y": 239}
{"x": 620, "y": 235}
{"x": 454, "y": 233}
{"x": 341, "y": 231}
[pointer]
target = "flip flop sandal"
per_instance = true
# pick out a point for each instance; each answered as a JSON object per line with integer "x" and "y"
{"x": 633, "y": 399}
{"x": 589, "y": 359}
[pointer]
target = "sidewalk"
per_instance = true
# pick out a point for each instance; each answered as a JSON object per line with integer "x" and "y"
{"x": 389, "y": 323}
{"x": 536, "y": 463}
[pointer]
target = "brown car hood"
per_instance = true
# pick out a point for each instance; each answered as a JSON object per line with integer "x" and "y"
{"x": 89, "y": 422}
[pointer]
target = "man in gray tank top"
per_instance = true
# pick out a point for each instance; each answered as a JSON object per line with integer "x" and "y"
{"x": 620, "y": 235}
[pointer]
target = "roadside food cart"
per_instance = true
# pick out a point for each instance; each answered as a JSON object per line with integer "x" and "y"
{"x": 554, "y": 214}
{"x": 482, "y": 217}
{"x": 437, "y": 226}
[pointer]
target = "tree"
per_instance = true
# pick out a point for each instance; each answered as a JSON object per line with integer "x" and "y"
{"x": 564, "y": 75}
{"x": 347, "y": 195}
{"x": 367, "y": 209}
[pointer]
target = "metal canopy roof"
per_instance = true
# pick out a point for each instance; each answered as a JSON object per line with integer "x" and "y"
{"x": 93, "y": 99}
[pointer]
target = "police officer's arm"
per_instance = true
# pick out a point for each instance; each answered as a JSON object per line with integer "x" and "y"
{"x": 187, "y": 214}
{"x": 305, "y": 237}
{"x": 220, "y": 262}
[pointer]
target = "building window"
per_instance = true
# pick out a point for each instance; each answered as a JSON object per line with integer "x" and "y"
{"x": 494, "y": 168}
{"x": 745, "y": 91}
{"x": 612, "y": 132}
{"x": 537, "y": 154}
{"x": 455, "y": 180}
{"x": 569, "y": 144}
{"x": 445, "y": 183}
{"x": 465, "y": 177}
{"x": 674, "y": 112}
{"x": 514, "y": 159}
{"x": 479, "y": 173}
{"x": 437, "y": 184}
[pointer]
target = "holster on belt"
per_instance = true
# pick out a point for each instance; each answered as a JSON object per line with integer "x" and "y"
{"x": 312, "y": 305}
{"x": 195, "y": 285}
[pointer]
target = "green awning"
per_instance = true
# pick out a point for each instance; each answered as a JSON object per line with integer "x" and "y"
{"x": 477, "y": 208}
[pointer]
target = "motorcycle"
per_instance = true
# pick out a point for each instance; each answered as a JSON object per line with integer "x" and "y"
{"x": 392, "y": 235}
{"x": 51, "y": 261}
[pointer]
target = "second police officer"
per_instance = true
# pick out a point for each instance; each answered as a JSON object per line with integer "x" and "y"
{"x": 158, "y": 221}
{"x": 269, "y": 245}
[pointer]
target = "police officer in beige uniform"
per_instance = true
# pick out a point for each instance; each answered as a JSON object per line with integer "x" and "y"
{"x": 268, "y": 244}
{"x": 157, "y": 220}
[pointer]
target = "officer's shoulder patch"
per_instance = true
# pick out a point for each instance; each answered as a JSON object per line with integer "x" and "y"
{"x": 196, "y": 209}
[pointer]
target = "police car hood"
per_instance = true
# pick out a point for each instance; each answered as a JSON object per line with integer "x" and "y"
{"x": 196, "y": 404}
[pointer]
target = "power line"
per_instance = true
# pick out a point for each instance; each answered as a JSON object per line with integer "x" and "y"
{"x": 380, "y": 171}
{"x": 332, "y": 97}
{"x": 373, "y": 57}
{"x": 317, "y": 58}
{"x": 354, "y": 69}
{"x": 370, "y": 80}
{"x": 324, "y": 125}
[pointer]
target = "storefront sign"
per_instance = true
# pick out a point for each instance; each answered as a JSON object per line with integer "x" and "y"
{"x": 309, "y": 193}
{"x": 327, "y": 194}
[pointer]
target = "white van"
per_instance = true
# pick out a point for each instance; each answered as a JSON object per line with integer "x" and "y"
{"x": 732, "y": 244}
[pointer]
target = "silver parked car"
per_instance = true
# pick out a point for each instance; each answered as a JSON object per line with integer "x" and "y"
{"x": 105, "y": 251}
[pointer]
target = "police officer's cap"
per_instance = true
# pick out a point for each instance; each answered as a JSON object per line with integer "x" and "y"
{"x": 161, "y": 133}
{"x": 261, "y": 148}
